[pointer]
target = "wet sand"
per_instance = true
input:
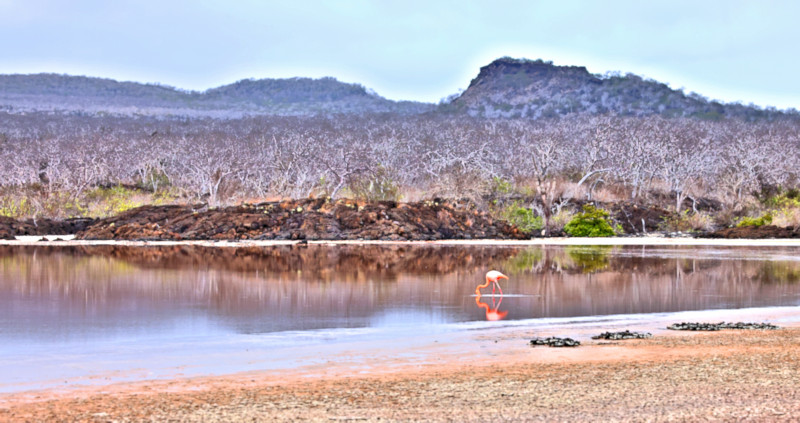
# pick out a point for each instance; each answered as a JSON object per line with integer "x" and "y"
{"x": 484, "y": 376}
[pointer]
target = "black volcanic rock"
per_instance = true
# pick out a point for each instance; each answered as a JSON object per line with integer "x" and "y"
{"x": 695, "y": 326}
{"x": 10, "y": 228}
{"x": 309, "y": 219}
{"x": 555, "y": 342}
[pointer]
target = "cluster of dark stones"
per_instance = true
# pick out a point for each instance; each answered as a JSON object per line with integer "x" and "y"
{"x": 756, "y": 232}
{"x": 614, "y": 336}
{"x": 720, "y": 326}
{"x": 638, "y": 218}
{"x": 311, "y": 219}
{"x": 10, "y": 228}
{"x": 555, "y": 342}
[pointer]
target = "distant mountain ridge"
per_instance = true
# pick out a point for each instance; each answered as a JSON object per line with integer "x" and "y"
{"x": 292, "y": 96}
{"x": 505, "y": 88}
{"x": 521, "y": 88}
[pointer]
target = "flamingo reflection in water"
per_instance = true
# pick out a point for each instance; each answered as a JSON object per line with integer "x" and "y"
{"x": 492, "y": 312}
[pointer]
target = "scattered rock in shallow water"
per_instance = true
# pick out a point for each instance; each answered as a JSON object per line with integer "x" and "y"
{"x": 720, "y": 325}
{"x": 623, "y": 335}
{"x": 555, "y": 342}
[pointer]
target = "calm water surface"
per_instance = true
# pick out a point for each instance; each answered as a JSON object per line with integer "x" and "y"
{"x": 107, "y": 308}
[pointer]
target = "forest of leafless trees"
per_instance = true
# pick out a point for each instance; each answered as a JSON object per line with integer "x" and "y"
{"x": 644, "y": 159}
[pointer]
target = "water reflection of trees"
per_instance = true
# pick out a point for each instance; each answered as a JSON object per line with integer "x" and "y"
{"x": 294, "y": 282}
{"x": 780, "y": 272}
{"x": 316, "y": 262}
{"x": 590, "y": 259}
{"x": 359, "y": 281}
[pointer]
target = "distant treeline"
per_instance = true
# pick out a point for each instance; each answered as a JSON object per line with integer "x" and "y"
{"x": 547, "y": 163}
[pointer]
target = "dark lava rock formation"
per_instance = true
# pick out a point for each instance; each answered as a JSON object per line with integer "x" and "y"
{"x": 9, "y": 228}
{"x": 720, "y": 326}
{"x": 638, "y": 218}
{"x": 756, "y": 232}
{"x": 623, "y": 335}
{"x": 555, "y": 342}
{"x": 311, "y": 219}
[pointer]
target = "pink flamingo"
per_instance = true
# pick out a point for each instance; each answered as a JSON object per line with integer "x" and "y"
{"x": 492, "y": 313}
{"x": 491, "y": 278}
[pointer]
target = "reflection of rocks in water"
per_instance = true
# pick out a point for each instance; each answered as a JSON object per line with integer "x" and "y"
{"x": 318, "y": 262}
{"x": 626, "y": 334}
{"x": 314, "y": 285}
{"x": 719, "y": 326}
{"x": 384, "y": 282}
{"x": 555, "y": 342}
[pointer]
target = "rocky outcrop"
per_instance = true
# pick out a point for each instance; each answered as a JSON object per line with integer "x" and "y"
{"x": 639, "y": 218}
{"x": 312, "y": 219}
{"x": 555, "y": 342}
{"x": 9, "y": 228}
{"x": 756, "y": 232}
{"x": 692, "y": 326}
{"x": 521, "y": 88}
{"x": 626, "y": 334}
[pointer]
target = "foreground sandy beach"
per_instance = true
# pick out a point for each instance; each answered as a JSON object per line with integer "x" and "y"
{"x": 676, "y": 376}
{"x": 480, "y": 374}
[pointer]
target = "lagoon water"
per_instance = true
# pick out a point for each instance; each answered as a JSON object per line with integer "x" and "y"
{"x": 83, "y": 315}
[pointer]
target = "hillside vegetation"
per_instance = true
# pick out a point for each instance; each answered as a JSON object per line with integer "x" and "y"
{"x": 529, "y": 141}
{"x": 505, "y": 88}
{"x": 287, "y": 97}
{"x": 518, "y": 88}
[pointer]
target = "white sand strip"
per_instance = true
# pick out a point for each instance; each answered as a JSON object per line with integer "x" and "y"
{"x": 68, "y": 240}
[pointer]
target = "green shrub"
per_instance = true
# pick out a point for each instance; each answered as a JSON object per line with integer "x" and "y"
{"x": 789, "y": 198}
{"x": 589, "y": 223}
{"x": 501, "y": 186}
{"x": 522, "y": 217}
{"x": 15, "y": 207}
{"x": 755, "y": 221}
{"x": 111, "y": 201}
{"x": 376, "y": 186}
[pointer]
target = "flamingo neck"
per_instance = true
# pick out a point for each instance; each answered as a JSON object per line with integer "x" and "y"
{"x": 478, "y": 289}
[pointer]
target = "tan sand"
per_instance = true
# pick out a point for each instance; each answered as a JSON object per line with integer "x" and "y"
{"x": 676, "y": 376}
{"x": 486, "y": 376}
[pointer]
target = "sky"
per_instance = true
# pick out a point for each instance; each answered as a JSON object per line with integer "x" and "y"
{"x": 425, "y": 50}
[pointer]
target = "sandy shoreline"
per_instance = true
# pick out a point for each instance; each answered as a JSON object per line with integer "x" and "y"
{"x": 477, "y": 374}
{"x": 647, "y": 240}
{"x": 483, "y": 375}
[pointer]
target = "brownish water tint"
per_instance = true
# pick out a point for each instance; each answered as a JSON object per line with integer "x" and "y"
{"x": 52, "y": 291}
